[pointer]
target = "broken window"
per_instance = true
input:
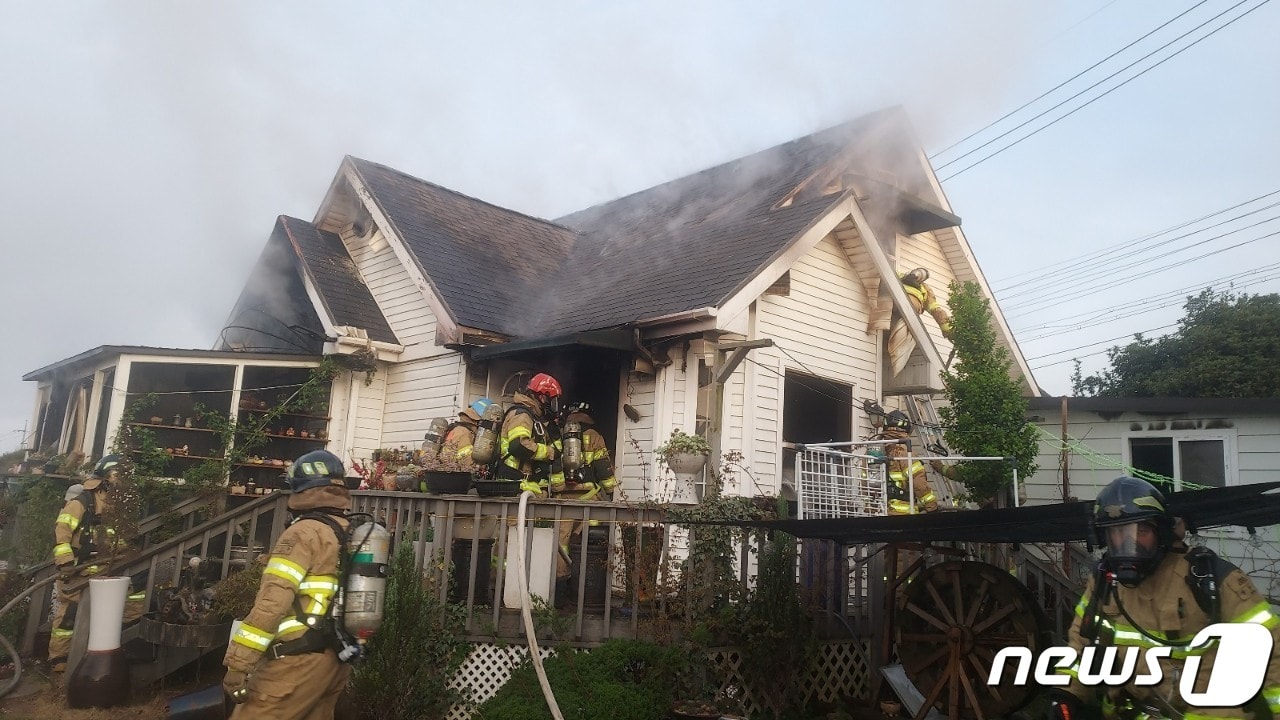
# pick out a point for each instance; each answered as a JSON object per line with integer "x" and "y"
{"x": 1193, "y": 459}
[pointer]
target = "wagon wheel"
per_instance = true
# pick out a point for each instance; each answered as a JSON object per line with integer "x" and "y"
{"x": 952, "y": 620}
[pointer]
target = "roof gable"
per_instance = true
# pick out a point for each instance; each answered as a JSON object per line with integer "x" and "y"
{"x": 330, "y": 269}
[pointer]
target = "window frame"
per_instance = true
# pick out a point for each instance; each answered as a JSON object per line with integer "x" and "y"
{"x": 1231, "y": 469}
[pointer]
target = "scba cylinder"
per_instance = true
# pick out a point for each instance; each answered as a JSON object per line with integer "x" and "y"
{"x": 572, "y": 446}
{"x": 434, "y": 439}
{"x": 487, "y": 431}
{"x": 369, "y": 547}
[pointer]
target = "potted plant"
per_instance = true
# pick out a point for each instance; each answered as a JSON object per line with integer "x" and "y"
{"x": 685, "y": 454}
{"x": 446, "y": 474}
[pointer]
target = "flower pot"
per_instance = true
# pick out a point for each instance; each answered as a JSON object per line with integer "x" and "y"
{"x": 406, "y": 482}
{"x": 496, "y": 488}
{"x": 687, "y": 463}
{"x": 448, "y": 483}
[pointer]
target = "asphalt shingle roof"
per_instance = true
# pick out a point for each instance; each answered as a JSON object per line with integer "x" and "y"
{"x": 336, "y": 278}
{"x": 679, "y": 246}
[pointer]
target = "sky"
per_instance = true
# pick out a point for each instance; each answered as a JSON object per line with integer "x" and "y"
{"x": 146, "y": 148}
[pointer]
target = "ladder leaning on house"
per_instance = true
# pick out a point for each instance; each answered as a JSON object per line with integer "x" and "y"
{"x": 926, "y": 430}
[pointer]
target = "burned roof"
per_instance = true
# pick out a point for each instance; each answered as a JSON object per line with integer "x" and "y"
{"x": 683, "y": 245}
{"x": 326, "y": 262}
{"x": 482, "y": 260}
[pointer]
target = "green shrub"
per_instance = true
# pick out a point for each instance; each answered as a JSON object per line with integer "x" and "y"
{"x": 620, "y": 680}
{"x": 408, "y": 664}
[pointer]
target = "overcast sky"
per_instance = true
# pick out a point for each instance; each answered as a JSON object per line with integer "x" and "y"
{"x": 147, "y": 147}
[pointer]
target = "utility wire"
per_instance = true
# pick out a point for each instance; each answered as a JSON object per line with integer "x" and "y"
{"x": 1031, "y": 276}
{"x": 1105, "y": 93}
{"x": 1100, "y": 342}
{"x": 1109, "y": 314}
{"x": 1024, "y": 308}
{"x": 1064, "y": 277}
{"x": 1060, "y": 85}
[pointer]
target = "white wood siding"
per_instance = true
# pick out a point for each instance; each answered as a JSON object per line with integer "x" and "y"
{"x": 402, "y": 303}
{"x": 924, "y": 251}
{"x": 418, "y": 391}
{"x": 819, "y": 328}
{"x": 1257, "y": 456}
{"x": 640, "y": 392}
{"x": 367, "y": 435}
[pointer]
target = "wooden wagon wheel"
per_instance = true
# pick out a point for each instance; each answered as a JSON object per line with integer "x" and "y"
{"x": 951, "y": 621}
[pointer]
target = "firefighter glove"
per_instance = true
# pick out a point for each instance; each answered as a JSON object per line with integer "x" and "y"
{"x": 65, "y": 572}
{"x": 236, "y": 685}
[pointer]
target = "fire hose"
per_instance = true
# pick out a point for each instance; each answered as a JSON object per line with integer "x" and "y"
{"x": 7, "y": 647}
{"x": 526, "y": 610}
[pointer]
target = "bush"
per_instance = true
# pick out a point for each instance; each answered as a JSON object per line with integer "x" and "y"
{"x": 620, "y": 680}
{"x": 409, "y": 663}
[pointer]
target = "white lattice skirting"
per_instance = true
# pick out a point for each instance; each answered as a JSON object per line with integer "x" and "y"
{"x": 840, "y": 670}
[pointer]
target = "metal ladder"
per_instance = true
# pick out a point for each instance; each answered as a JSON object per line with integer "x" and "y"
{"x": 925, "y": 424}
{"x": 927, "y": 431}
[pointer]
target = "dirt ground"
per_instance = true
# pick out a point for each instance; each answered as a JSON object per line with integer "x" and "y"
{"x": 40, "y": 698}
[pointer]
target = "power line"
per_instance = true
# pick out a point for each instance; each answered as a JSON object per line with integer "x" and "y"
{"x": 1060, "y": 85}
{"x": 1101, "y": 342}
{"x": 1069, "y": 278}
{"x": 1092, "y": 258}
{"x": 1027, "y": 307}
{"x": 1105, "y": 93}
{"x": 1158, "y": 302}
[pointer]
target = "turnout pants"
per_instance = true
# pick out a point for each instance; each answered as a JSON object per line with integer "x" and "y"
{"x": 295, "y": 687}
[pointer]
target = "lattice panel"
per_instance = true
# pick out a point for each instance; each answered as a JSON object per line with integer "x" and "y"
{"x": 836, "y": 484}
{"x": 842, "y": 669}
{"x": 485, "y": 671}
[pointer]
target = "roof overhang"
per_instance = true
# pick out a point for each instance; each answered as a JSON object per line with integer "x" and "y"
{"x": 106, "y": 352}
{"x": 1159, "y": 405}
{"x": 622, "y": 339}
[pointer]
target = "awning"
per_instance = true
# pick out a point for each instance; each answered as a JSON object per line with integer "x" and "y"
{"x": 1249, "y": 506}
{"x": 611, "y": 339}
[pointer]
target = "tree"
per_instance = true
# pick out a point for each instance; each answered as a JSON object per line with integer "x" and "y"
{"x": 1225, "y": 346}
{"x": 986, "y": 412}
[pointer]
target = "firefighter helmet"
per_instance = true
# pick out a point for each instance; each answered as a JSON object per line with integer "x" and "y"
{"x": 1131, "y": 520}
{"x": 547, "y": 390}
{"x": 107, "y": 469}
{"x": 897, "y": 420}
{"x": 317, "y": 468}
{"x": 475, "y": 410}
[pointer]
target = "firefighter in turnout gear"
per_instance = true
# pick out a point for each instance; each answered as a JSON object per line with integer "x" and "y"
{"x": 462, "y": 433}
{"x": 591, "y": 480}
{"x": 922, "y": 299}
{"x": 80, "y": 536}
{"x": 898, "y": 427}
{"x": 281, "y": 662}
{"x": 1149, "y": 591}
{"x": 529, "y": 445}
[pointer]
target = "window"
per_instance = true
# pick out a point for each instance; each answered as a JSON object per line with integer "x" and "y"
{"x": 1194, "y": 458}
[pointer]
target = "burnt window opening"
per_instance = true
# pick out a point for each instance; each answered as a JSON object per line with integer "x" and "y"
{"x": 816, "y": 410}
{"x": 104, "y": 409}
{"x": 1198, "y": 461}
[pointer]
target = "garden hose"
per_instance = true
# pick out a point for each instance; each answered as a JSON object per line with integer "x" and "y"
{"x": 526, "y": 609}
{"x": 6, "y": 646}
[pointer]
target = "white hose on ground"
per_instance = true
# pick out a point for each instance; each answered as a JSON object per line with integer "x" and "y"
{"x": 526, "y": 609}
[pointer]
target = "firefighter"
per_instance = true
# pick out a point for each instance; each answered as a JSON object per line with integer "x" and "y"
{"x": 462, "y": 433}
{"x": 922, "y": 299}
{"x": 529, "y": 445}
{"x": 898, "y": 427}
{"x": 593, "y": 480}
{"x": 281, "y": 662}
{"x": 80, "y": 536}
{"x": 1154, "y": 592}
